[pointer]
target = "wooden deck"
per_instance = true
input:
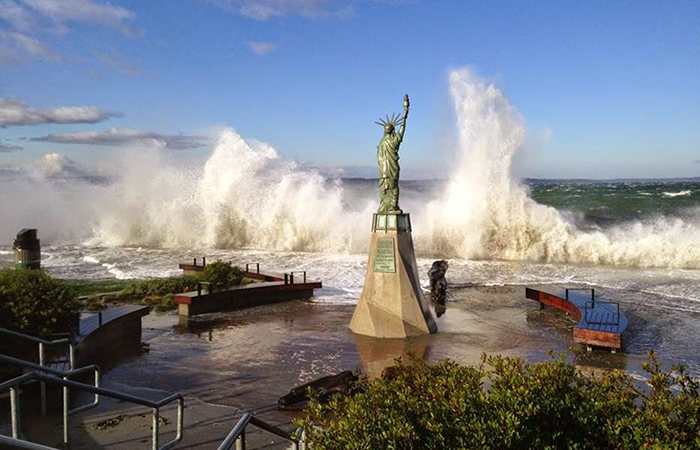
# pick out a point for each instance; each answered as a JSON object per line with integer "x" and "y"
{"x": 600, "y": 323}
{"x": 274, "y": 288}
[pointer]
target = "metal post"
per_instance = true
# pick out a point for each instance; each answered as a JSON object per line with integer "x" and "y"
{"x": 567, "y": 294}
{"x": 199, "y": 289}
{"x": 99, "y": 319}
{"x": 15, "y": 412}
{"x": 66, "y": 407}
{"x": 257, "y": 268}
{"x": 305, "y": 277}
{"x": 240, "y": 442}
{"x": 285, "y": 279}
{"x": 42, "y": 385}
{"x": 246, "y": 267}
{"x": 204, "y": 261}
{"x": 593, "y": 297}
{"x": 195, "y": 262}
{"x": 291, "y": 278}
{"x": 71, "y": 356}
{"x": 156, "y": 422}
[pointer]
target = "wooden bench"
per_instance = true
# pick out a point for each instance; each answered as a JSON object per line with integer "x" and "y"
{"x": 110, "y": 332}
{"x": 600, "y": 323}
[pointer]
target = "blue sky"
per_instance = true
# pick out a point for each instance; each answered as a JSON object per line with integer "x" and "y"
{"x": 615, "y": 85}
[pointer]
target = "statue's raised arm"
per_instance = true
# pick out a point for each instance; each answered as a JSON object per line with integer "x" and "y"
{"x": 406, "y": 105}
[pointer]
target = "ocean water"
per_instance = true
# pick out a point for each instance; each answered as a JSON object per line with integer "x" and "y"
{"x": 636, "y": 242}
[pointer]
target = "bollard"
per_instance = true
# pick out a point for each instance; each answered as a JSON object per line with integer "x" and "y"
{"x": 204, "y": 261}
{"x": 42, "y": 385}
{"x": 27, "y": 250}
{"x": 15, "y": 412}
{"x": 240, "y": 442}
{"x": 257, "y": 268}
{"x": 285, "y": 279}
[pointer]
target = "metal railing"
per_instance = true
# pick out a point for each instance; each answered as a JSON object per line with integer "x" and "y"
{"x": 257, "y": 267}
{"x": 291, "y": 276}
{"x": 208, "y": 284}
{"x": 42, "y": 355}
{"x": 14, "y": 384}
{"x": 237, "y": 434}
{"x": 65, "y": 375}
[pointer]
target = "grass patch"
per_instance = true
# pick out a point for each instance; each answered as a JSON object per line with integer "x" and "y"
{"x": 85, "y": 288}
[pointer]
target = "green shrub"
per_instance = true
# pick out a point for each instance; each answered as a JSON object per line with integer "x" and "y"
{"x": 507, "y": 404}
{"x": 95, "y": 303}
{"x": 34, "y": 303}
{"x": 222, "y": 275}
{"x": 158, "y": 287}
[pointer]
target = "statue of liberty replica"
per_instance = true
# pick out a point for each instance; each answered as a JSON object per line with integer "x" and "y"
{"x": 392, "y": 304}
{"x": 388, "y": 159}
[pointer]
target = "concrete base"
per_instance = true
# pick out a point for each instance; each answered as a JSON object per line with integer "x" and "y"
{"x": 392, "y": 304}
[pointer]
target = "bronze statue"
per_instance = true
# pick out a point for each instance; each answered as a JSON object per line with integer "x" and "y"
{"x": 388, "y": 159}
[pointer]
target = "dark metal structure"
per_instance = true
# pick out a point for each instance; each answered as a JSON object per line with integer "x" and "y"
{"x": 27, "y": 250}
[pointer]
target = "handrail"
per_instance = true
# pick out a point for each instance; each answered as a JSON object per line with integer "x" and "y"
{"x": 63, "y": 374}
{"x": 42, "y": 358}
{"x": 154, "y": 405}
{"x": 43, "y": 342}
{"x": 237, "y": 434}
{"x": 16, "y": 443}
{"x": 291, "y": 275}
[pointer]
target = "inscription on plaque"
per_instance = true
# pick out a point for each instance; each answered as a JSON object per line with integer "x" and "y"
{"x": 384, "y": 257}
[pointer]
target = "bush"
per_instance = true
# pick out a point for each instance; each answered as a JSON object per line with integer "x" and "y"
{"x": 158, "y": 287}
{"x": 222, "y": 275}
{"x": 34, "y": 303}
{"x": 507, "y": 404}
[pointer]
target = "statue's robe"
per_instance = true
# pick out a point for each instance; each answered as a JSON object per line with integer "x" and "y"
{"x": 388, "y": 159}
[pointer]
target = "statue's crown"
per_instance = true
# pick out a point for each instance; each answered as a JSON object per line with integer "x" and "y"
{"x": 395, "y": 120}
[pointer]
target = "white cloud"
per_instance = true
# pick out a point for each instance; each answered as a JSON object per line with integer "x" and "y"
{"x": 57, "y": 165}
{"x": 15, "y": 44}
{"x": 22, "y": 21}
{"x": 121, "y": 64}
{"x": 20, "y": 18}
{"x": 125, "y": 136}
{"x": 18, "y": 113}
{"x": 23, "y": 14}
{"x": 261, "y": 48}
{"x": 266, "y": 9}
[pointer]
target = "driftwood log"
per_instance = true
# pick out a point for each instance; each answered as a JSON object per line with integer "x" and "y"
{"x": 323, "y": 389}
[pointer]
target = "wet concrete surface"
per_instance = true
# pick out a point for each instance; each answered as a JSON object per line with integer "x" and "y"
{"x": 228, "y": 363}
{"x": 249, "y": 358}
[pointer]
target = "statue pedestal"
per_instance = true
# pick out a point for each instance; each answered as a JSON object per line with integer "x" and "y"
{"x": 392, "y": 304}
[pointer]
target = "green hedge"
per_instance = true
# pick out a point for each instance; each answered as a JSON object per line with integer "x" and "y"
{"x": 222, "y": 274}
{"x": 34, "y": 303}
{"x": 158, "y": 293}
{"x": 507, "y": 404}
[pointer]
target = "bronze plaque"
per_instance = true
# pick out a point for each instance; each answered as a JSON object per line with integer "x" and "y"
{"x": 384, "y": 256}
